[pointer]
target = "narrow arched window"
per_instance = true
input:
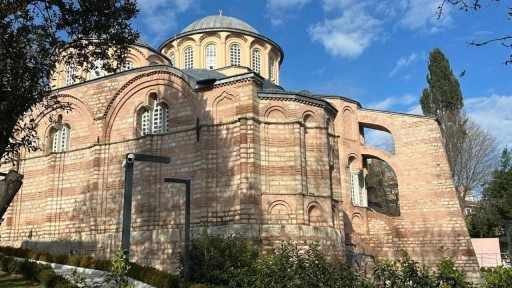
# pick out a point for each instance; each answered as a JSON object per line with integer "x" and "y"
{"x": 271, "y": 69}
{"x": 256, "y": 61}
{"x": 172, "y": 57}
{"x": 70, "y": 73}
{"x": 188, "y": 55}
{"x": 160, "y": 118}
{"x": 235, "y": 54}
{"x": 59, "y": 136}
{"x": 211, "y": 56}
{"x": 97, "y": 70}
{"x": 128, "y": 65}
{"x": 154, "y": 119}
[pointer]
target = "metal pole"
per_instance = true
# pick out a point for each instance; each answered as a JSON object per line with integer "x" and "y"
{"x": 186, "y": 253}
{"x": 127, "y": 209}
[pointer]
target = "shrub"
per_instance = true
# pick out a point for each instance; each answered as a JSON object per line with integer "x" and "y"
{"x": 45, "y": 274}
{"x": 74, "y": 260}
{"x": 221, "y": 261}
{"x": 86, "y": 261}
{"x": 14, "y": 267}
{"x": 61, "y": 259}
{"x": 101, "y": 264}
{"x": 498, "y": 277}
{"x": 29, "y": 270}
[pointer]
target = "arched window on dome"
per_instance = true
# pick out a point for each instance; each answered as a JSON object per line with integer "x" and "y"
{"x": 70, "y": 74}
{"x": 97, "y": 70}
{"x": 59, "y": 136}
{"x": 271, "y": 74}
{"x": 188, "y": 60}
{"x": 154, "y": 118}
{"x": 256, "y": 61}
{"x": 172, "y": 57}
{"x": 128, "y": 65}
{"x": 234, "y": 52}
{"x": 211, "y": 56}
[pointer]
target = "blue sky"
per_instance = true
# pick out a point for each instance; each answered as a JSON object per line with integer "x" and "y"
{"x": 372, "y": 51}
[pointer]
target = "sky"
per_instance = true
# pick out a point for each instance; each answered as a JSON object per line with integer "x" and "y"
{"x": 372, "y": 51}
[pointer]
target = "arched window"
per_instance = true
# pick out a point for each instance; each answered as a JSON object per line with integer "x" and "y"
{"x": 70, "y": 71}
{"x": 128, "y": 65}
{"x": 188, "y": 55}
{"x": 235, "y": 54}
{"x": 59, "y": 136}
{"x": 211, "y": 56}
{"x": 97, "y": 70}
{"x": 172, "y": 57}
{"x": 256, "y": 61}
{"x": 154, "y": 119}
{"x": 271, "y": 69}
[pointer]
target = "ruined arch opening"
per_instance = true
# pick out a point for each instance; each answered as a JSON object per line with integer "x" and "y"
{"x": 378, "y": 137}
{"x": 382, "y": 187}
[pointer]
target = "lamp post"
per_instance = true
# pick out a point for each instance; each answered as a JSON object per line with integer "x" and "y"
{"x": 128, "y": 188}
{"x": 186, "y": 252}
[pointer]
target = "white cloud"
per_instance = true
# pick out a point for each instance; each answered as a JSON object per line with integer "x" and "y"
{"x": 422, "y": 14}
{"x": 354, "y": 25}
{"x": 159, "y": 16}
{"x": 389, "y": 102}
{"x": 281, "y": 10}
{"x": 349, "y": 34}
{"x": 403, "y": 62}
{"x": 493, "y": 113}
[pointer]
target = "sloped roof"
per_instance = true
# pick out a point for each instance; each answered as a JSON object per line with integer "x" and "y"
{"x": 219, "y": 22}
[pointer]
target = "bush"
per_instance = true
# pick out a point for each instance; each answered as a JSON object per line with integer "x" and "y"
{"x": 498, "y": 277}
{"x": 101, "y": 264}
{"x": 14, "y": 267}
{"x": 220, "y": 261}
{"x": 86, "y": 261}
{"x": 29, "y": 270}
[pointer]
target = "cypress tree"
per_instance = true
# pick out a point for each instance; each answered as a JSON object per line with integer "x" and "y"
{"x": 443, "y": 100}
{"x": 443, "y": 94}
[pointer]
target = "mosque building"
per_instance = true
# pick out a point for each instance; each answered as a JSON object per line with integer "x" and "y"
{"x": 265, "y": 162}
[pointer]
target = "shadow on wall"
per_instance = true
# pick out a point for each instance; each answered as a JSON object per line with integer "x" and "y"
{"x": 201, "y": 147}
{"x": 62, "y": 246}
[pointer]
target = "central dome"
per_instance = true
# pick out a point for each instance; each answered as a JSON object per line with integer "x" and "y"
{"x": 219, "y": 22}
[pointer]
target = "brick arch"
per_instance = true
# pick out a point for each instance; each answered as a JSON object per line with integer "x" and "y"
{"x": 220, "y": 106}
{"x": 159, "y": 78}
{"x": 315, "y": 214}
{"x": 309, "y": 117}
{"x": 357, "y": 221}
{"x": 278, "y": 204}
{"x": 374, "y": 152}
{"x": 274, "y": 110}
{"x": 236, "y": 36}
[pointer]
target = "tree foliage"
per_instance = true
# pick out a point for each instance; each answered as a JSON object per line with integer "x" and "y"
{"x": 38, "y": 35}
{"x": 476, "y": 161}
{"x": 494, "y": 210}
{"x": 475, "y": 5}
{"x": 443, "y": 100}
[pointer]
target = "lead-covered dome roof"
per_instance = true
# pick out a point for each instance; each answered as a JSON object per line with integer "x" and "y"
{"x": 218, "y": 22}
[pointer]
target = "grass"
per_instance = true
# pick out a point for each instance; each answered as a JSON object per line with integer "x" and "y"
{"x": 15, "y": 281}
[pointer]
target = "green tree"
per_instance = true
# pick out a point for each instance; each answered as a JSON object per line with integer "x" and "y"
{"x": 443, "y": 94}
{"x": 443, "y": 100}
{"x": 36, "y": 36}
{"x": 493, "y": 214}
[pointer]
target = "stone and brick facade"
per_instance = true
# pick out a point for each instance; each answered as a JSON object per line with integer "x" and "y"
{"x": 271, "y": 164}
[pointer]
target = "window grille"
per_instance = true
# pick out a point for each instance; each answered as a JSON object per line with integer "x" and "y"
{"x": 256, "y": 61}
{"x": 70, "y": 71}
{"x": 128, "y": 65}
{"x": 211, "y": 57}
{"x": 235, "y": 54}
{"x": 189, "y": 58}
{"x": 271, "y": 69}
